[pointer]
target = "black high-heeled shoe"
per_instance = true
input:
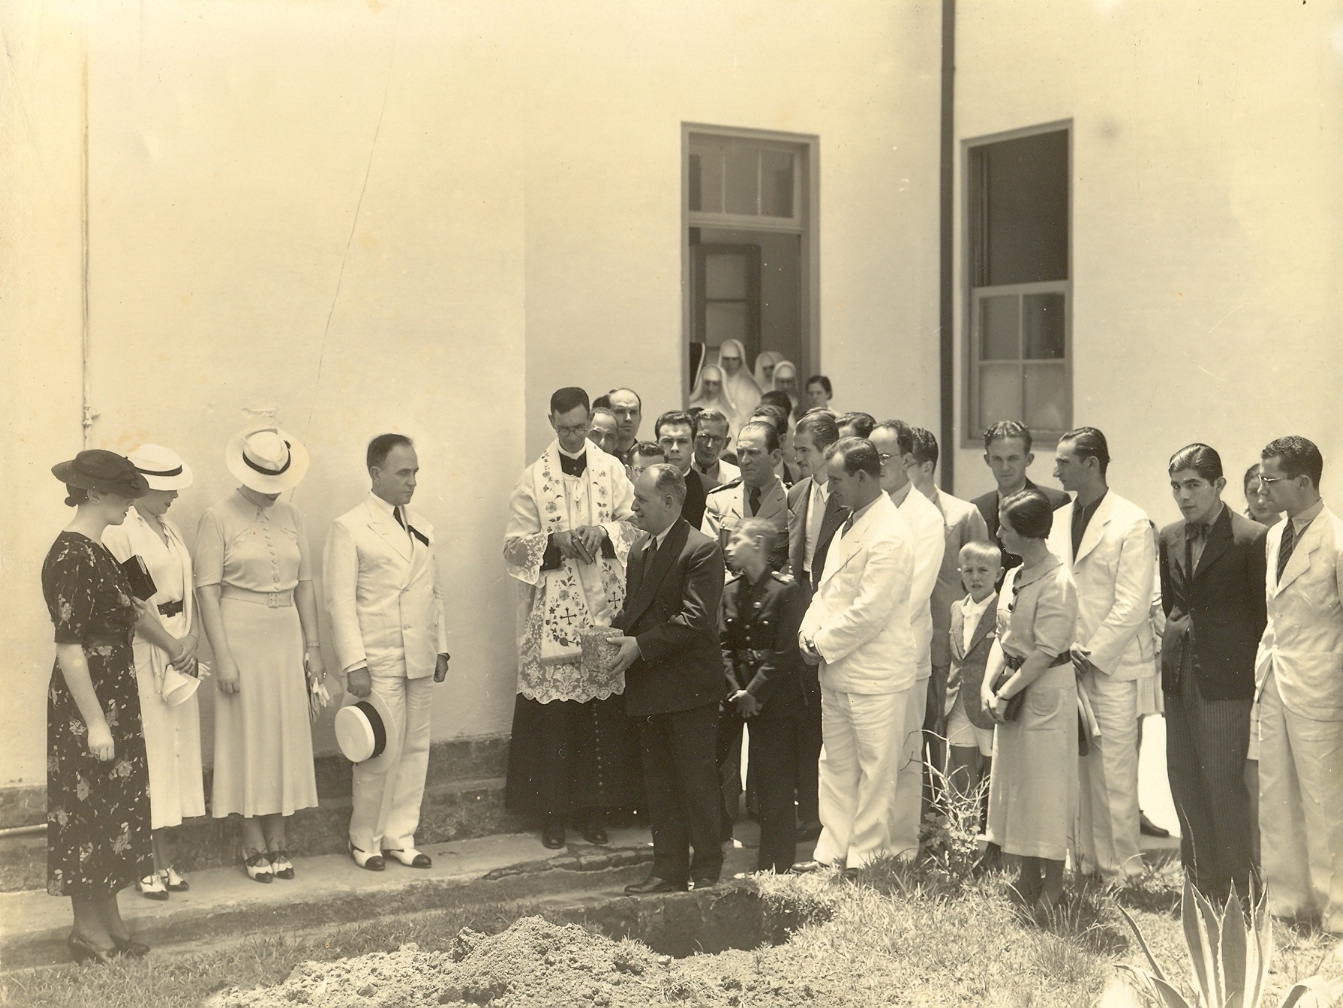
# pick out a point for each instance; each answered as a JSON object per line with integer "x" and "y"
{"x": 82, "y": 950}
{"x": 128, "y": 946}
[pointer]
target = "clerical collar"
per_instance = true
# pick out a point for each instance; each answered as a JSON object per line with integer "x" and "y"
{"x": 581, "y": 453}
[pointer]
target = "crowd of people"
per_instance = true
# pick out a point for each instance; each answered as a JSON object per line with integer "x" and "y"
{"x": 797, "y": 572}
{"x": 765, "y": 565}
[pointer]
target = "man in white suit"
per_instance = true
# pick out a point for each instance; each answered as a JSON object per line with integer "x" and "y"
{"x": 894, "y": 441}
{"x": 1299, "y": 675}
{"x": 858, "y": 629}
{"x": 386, "y": 608}
{"x": 1107, "y": 543}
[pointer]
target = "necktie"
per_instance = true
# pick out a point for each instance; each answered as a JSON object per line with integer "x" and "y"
{"x": 1288, "y": 544}
{"x": 1193, "y": 533}
{"x": 848, "y": 524}
{"x": 754, "y": 498}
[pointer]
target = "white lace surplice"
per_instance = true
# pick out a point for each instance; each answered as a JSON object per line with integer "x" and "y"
{"x": 556, "y": 604}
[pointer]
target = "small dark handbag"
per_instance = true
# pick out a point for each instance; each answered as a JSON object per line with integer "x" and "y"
{"x": 1010, "y": 665}
{"x": 137, "y": 573}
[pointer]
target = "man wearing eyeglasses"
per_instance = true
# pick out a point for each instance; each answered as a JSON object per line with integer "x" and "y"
{"x": 894, "y": 442}
{"x": 1299, "y": 677}
{"x": 710, "y": 440}
{"x": 675, "y": 432}
{"x": 570, "y": 530}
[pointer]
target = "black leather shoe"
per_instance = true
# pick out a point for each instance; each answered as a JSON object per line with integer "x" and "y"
{"x": 705, "y": 883}
{"x": 1148, "y": 828}
{"x": 595, "y": 833}
{"x": 128, "y": 946}
{"x": 807, "y": 867}
{"x": 552, "y": 834}
{"x": 653, "y": 885}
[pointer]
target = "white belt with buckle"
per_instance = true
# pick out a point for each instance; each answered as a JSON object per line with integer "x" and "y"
{"x": 272, "y": 600}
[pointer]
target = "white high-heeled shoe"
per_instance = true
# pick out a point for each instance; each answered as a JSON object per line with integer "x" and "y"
{"x": 258, "y": 867}
{"x": 152, "y": 887}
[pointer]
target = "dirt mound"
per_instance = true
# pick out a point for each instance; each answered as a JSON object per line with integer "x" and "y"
{"x": 533, "y": 963}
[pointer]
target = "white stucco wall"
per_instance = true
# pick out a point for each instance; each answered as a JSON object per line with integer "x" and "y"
{"x": 418, "y": 216}
{"x": 610, "y": 84}
{"x": 1207, "y": 219}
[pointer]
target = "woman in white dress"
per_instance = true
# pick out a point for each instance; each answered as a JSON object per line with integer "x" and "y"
{"x": 165, "y": 649}
{"x": 259, "y": 610}
{"x": 1033, "y": 790}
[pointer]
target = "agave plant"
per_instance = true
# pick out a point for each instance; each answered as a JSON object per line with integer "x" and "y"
{"x": 1230, "y": 958}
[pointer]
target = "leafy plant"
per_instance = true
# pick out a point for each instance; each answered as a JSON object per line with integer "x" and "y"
{"x": 1230, "y": 956}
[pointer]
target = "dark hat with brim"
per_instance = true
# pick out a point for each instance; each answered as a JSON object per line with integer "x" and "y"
{"x": 96, "y": 469}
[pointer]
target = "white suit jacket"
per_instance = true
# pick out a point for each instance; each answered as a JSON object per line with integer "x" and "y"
{"x": 1113, "y": 574}
{"x": 1303, "y": 639}
{"x": 930, "y": 542}
{"x": 382, "y": 592}
{"x": 859, "y": 616}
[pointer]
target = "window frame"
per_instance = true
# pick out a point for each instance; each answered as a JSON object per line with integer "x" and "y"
{"x": 973, "y": 362}
{"x": 806, "y": 189}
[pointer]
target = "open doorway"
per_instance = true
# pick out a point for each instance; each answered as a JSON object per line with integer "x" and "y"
{"x": 749, "y": 243}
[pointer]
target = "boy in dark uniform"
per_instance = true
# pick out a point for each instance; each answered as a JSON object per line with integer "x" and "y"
{"x": 761, "y": 612}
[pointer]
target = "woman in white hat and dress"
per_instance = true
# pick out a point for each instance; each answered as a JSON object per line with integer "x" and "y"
{"x": 165, "y": 647}
{"x": 257, "y": 604}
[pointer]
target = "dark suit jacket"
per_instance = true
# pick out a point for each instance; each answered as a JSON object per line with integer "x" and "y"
{"x": 693, "y": 508}
{"x": 799, "y": 506}
{"x": 988, "y": 507}
{"x": 759, "y": 639}
{"x": 671, "y": 608}
{"x": 1213, "y": 625}
{"x": 967, "y": 667}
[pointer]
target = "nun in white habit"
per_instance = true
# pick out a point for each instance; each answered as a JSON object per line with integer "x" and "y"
{"x": 738, "y": 385}
{"x": 165, "y": 646}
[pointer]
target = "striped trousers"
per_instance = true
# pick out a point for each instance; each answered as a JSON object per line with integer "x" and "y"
{"x": 1206, "y": 742}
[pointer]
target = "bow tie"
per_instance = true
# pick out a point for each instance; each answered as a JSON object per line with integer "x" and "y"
{"x": 1196, "y": 530}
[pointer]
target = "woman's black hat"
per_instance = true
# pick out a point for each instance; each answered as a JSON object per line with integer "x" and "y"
{"x": 97, "y": 469}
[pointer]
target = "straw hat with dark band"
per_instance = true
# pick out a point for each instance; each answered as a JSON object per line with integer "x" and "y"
{"x": 267, "y": 460}
{"x": 104, "y": 471}
{"x": 161, "y": 467}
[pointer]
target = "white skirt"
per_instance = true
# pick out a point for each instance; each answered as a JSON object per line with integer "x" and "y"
{"x": 172, "y": 744}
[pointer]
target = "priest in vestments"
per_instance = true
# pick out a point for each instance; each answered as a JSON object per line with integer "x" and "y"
{"x": 574, "y": 753}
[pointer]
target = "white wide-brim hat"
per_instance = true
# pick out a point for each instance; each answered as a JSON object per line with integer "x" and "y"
{"x": 267, "y": 460}
{"x": 178, "y": 687}
{"x": 362, "y": 727}
{"x": 162, "y": 468}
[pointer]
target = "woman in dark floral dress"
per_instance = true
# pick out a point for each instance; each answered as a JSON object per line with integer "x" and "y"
{"x": 98, "y": 827}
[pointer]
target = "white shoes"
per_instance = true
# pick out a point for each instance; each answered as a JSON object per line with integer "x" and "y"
{"x": 152, "y": 887}
{"x": 410, "y": 857}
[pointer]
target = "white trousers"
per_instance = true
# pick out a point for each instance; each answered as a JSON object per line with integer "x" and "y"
{"x": 858, "y": 774}
{"x": 1107, "y": 828}
{"x": 908, "y": 808}
{"x": 387, "y": 799}
{"x": 1300, "y": 811}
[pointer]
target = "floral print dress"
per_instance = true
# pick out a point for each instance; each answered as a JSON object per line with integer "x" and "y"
{"x": 98, "y": 828}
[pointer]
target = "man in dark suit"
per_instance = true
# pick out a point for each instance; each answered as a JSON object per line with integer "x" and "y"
{"x": 1007, "y": 453}
{"x": 674, "y": 681}
{"x": 675, "y": 433}
{"x": 815, "y": 516}
{"x": 1212, "y": 588}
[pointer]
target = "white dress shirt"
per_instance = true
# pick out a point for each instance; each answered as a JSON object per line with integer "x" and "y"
{"x": 820, "y": 496}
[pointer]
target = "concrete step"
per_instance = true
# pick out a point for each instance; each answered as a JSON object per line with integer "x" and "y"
{"x": 224, "y": 904}
{"x": 464, "y": 799}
